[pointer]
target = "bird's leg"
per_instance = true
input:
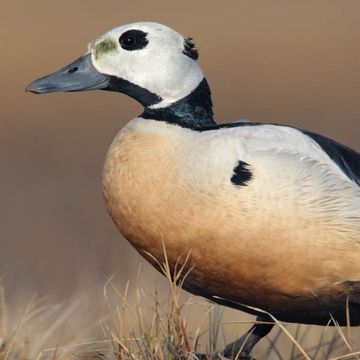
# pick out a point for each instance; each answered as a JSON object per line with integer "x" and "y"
{"x": 243, "y": 346}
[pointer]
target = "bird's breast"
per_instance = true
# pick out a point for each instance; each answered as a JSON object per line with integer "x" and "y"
{"x": 167, "y": 188}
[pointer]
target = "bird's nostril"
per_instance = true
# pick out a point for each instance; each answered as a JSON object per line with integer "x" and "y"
{"x": 73, "y": 69}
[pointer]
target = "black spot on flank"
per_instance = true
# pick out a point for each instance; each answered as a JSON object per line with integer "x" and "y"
{"x": 189, "y": 49}
{"x": 242, "y": 174}
{"x": 347, "y": 159}
{"x": 133, "y": 40}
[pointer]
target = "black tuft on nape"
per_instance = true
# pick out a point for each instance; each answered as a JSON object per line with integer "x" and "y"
{"x": 242, "y": 174}
{"x": 193, "y": 111}
{"x": 189, "y": 49}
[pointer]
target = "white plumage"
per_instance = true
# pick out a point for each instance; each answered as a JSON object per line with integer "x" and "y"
{"x": 270, "y": 213}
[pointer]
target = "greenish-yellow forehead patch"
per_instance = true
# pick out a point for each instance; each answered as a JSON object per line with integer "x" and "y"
{"x": 99, "y": 47}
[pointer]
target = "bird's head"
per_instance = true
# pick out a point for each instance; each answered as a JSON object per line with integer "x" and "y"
{"x": 148, "y": 61}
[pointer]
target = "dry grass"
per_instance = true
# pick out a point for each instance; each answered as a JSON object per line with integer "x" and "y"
{"x": 144, "y": 324}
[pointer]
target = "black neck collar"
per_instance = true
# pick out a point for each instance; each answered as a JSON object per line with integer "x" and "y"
{"x": 193, "y": 111}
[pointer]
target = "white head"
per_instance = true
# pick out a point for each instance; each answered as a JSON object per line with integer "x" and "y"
{"x": 139, "y": 59}
{"x": 150, "y": 55}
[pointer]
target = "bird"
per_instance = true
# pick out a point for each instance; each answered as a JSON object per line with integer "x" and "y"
{"x": 269, "y": 213}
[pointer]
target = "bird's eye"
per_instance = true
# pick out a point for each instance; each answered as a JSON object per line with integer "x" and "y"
{"x": 128, "y": 42}
{"x": 133, "y": 40}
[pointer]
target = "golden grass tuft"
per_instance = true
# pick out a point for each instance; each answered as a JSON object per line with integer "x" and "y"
{"x": 150, "y": 328}
{"x": 146, "y": 324}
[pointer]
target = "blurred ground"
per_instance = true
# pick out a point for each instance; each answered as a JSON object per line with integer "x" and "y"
{"x": 277, "y": 61}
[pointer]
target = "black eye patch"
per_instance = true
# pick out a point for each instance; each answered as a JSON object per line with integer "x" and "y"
{"x": 133, "y": 40}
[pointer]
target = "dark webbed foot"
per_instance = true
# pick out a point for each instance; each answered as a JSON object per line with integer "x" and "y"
{"x": 218, "y": 356}
{"x": 197, "y": 356}
{"x": 241, "y": 348}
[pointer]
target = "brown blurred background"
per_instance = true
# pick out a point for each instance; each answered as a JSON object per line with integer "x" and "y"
{"x": 294, "y": 62}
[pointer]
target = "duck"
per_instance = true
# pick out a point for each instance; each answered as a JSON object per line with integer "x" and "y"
{"x": 269, "y": 213}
